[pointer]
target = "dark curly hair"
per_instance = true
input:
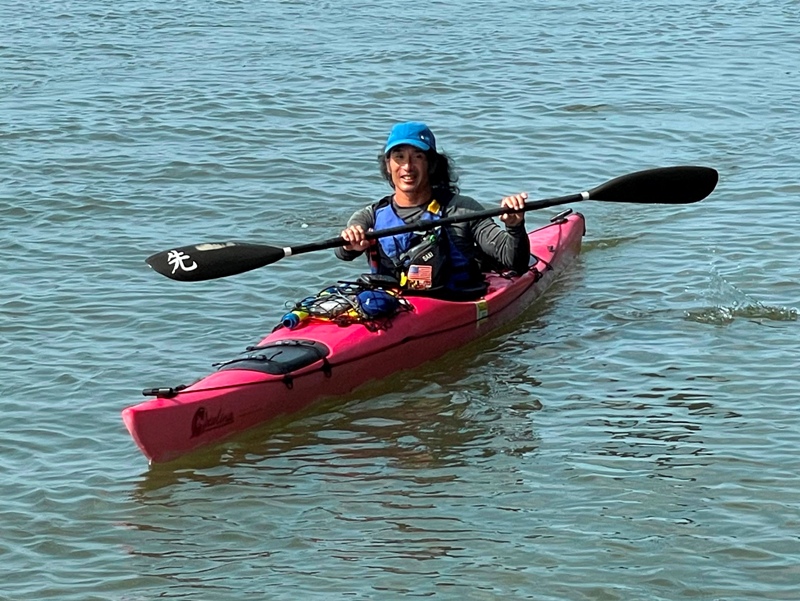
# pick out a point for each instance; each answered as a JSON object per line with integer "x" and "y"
{"x": 441, "y": 171}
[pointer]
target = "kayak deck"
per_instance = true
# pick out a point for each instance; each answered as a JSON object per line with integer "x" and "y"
{"x": 292, "y": 368}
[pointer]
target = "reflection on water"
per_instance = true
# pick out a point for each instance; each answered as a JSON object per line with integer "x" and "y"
{"x": 638, "y": 429}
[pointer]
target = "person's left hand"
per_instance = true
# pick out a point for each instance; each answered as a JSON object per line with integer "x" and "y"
{"x": 515, "y": 201}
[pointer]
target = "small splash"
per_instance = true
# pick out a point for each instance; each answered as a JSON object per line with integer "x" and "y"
{"x": 756, "y": 311}
{"x": 725, "y": 303}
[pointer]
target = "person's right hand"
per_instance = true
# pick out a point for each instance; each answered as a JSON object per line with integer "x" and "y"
{"x": 356, "y": 238}
{"x": 515, "y": 201}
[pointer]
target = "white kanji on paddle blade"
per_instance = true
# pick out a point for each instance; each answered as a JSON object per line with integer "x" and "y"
{"x": 178, "y": 259}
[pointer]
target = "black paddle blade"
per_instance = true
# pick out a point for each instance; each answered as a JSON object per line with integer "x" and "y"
{"x": 210, "y": 261}
{"x": 666, "y": 185}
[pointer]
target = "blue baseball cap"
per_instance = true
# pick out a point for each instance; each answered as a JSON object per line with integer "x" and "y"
{"x": 413, "y": 133}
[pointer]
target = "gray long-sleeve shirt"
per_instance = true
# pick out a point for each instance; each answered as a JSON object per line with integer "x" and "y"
{"x": 509, "y": 247}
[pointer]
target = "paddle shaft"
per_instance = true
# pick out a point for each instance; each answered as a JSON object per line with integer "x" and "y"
{"x": 425, "y": 225}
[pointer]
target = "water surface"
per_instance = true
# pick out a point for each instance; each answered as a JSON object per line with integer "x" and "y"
{"x": 634, "y": 437}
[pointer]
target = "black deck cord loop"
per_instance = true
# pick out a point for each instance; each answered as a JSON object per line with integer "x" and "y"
{"x": 164, "y": 392}
{"x": 326, "y": 366}
{"x": 242, "y": 359}
{"x": 326, "y": 369}
{"x": 548, "y": 266}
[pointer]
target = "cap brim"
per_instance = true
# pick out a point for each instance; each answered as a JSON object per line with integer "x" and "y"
{"x": 410, "y": 142}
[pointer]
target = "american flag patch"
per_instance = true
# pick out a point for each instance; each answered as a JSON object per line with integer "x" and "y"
{"x": 420, "y": 277}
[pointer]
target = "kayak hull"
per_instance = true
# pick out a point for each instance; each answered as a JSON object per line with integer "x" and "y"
{"x": 241, "y": 396}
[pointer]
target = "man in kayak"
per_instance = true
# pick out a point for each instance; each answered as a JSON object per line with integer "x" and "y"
{"x": 445, "y": 262}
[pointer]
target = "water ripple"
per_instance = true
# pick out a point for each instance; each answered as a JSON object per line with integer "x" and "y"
{"x": 633, "y": 436}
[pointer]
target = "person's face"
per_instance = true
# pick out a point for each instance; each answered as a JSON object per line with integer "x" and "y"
{"x": 408, "y": 167}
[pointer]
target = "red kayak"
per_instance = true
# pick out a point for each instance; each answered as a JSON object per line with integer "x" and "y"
{"x": 292, "y": 368}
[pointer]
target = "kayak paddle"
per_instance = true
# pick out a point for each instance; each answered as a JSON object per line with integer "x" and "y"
{"x": 665, "y": 185}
